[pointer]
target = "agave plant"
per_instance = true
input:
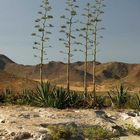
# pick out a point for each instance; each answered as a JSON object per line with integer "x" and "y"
{"x": 61, "y": 98}
{"x": 138, "y": 101}
{"x": 100, "y": 101}
{"x": 25, "y": 98}
{"x": 122, "y": 96}
{"x": 76, "y": 99}
{"x": 6, "y": 96}
{"x": 42, "y": 96}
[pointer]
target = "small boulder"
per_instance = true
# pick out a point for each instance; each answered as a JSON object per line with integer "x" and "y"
{"x": 2, "y": 121}
{"x": 46, "y": 137}
{"x": 132, "y": 114}
{"x": 136, "y": 122}
{"x": 124, "y": 116}
{"x": 22, "y": 135}
{"x": 118, "y": 130}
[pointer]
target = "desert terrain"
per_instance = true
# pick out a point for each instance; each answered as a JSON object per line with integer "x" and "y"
{"x": 108, "y": 75}
{"x": 24, "y": 122}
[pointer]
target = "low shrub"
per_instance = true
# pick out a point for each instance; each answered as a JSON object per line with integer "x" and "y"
{"x": 98, "y": 133}
{"x": 7, "y": 96}
{"x": 132, "y": 130}
{"x": 107, "y": 102}
{"x": 72, "y": 132}
{"x": 58, "y": 132}
{"x": 100, "y": 101}
{"x": 25, "y": 98}
{"x": 138, "y": 101}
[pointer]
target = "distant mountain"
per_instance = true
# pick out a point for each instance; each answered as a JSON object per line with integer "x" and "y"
{"x": 12, "y": 80}
{"x": 108, "y": 75}
{"x": 4, "y": 60}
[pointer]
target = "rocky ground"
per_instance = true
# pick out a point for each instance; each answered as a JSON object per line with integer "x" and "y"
{"x": 24, "y": 122}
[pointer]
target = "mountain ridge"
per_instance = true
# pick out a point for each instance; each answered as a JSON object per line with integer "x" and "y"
{"x": 108, "y": 74}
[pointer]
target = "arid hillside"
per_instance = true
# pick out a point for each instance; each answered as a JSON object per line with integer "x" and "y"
{"x": 108, "y": 75}
{"x": 9, "y": 80}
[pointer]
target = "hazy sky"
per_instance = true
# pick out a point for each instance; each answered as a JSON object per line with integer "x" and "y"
{"x": 121, "y": 40}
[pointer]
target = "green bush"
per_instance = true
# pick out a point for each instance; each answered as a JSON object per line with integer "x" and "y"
{"x": 58, "y": 132}
{"x": 107, "y": 102}
{"x": 73, "y": 132}
{"x": 98, "y": 133}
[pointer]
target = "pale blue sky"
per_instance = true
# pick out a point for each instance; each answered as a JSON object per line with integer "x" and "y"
{"x": 121, "y": 40}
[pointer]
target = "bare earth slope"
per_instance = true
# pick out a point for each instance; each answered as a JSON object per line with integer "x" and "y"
{"x": 11, "y": 80}
{"x": 108, "y": 75}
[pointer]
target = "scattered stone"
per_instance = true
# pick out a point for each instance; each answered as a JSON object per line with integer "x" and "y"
{"x": 76, "y": 111}
{"x": 125, "y": 116}
{"x": 36, "y": 115}
{"x": 136, "y": 122}
{"x": 100, "y": 113}
{"x": 132, "y": 114}
{"x": 71, "y": 125}
{"x": 118, "y": 130}
{"x": 2, "y": 121}
{"x": 19, "y": 127}
{"x": 44, "y": 125}
{"x": 114, "y": 117}
{"x": 22, "y": 135}
{"x": 3, "y": 132}
{"x": 79, "y": 137}
{"x": 43, "y": 131}
{"x": 45, "y": 137}
{"x": 137, "y": 112}
{"x": 108, "y": 114}
{"x": 14, "y": 120}
{"x": 13, "y": 134}
{"x": 26, "y": 116}
{"x": 131, "y": 118}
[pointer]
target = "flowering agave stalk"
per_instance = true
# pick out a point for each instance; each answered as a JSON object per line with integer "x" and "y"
{"x": 96, "y": 20}
{"x": 68, "y": 29}
{"x": 86, "y": 34}
{"x": 42, "y": 26}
